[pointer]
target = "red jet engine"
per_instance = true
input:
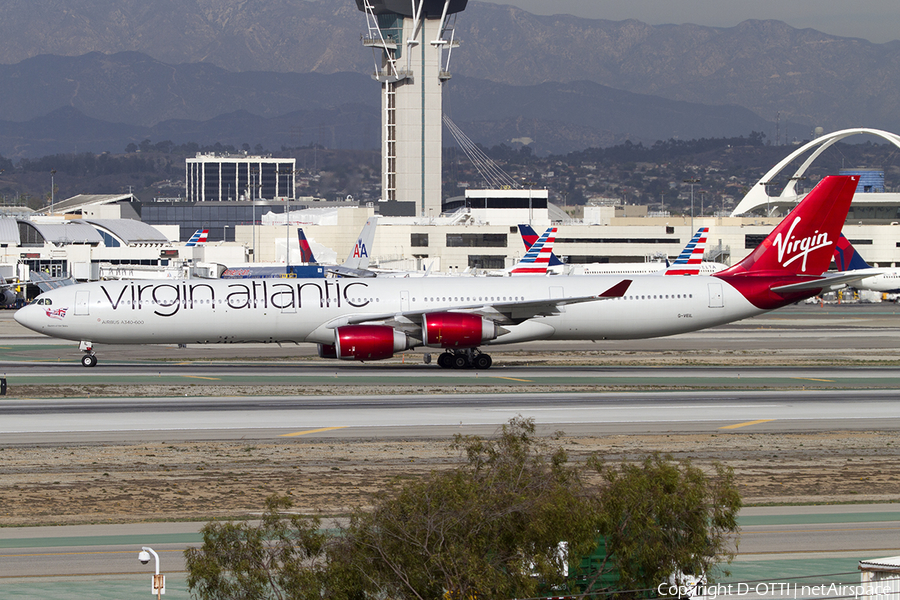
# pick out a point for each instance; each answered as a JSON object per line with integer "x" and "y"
{"x": 457, "y": 330}
{"x": 365, "y": 342}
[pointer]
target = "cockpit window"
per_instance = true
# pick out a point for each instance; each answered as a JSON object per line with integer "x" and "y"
{"x": 43, "y": 302}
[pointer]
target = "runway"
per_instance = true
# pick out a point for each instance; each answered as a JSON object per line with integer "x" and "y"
{"x": 98, "y": 420}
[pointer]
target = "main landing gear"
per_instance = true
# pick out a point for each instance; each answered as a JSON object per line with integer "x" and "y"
{"x": 470, "y": 358}
{"x": 89, "y": 359}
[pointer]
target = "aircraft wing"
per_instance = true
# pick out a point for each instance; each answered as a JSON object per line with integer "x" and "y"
{"x": 827, "y": 282}
{"x": 508, "y": 313}
{"x": 343, "y": 271}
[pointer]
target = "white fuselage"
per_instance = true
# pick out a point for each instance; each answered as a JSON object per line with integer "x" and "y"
{"x": 308, "y": 310}
{"x": 883, "y": 279}
{"x": 705, "y": 268}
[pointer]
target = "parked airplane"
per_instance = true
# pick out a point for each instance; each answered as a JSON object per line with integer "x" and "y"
{"x": 198, "y": 238}
{"x": 537, "y": 259}
{"x": 357, "y": 263}
{"x": 689, "y": 262}
{"x": 370, "y": 319}
{"x": 8, "y": 295}
{"x": 306, "y": 253}
{"x": 309, "y": 267}
{"x": 877, "y": 279}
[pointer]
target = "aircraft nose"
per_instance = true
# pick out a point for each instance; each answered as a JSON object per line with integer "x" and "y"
{"x": 27, "y": 317}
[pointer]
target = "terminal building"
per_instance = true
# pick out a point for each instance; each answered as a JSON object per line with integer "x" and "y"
{"x": 475, "y": 232}
{"x": 226, "y": 177}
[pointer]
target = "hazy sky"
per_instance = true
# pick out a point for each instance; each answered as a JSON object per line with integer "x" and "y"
{"x": 875, "y": 20}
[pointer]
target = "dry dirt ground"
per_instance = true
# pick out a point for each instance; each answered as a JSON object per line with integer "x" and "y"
{"x": 203, "y": 480}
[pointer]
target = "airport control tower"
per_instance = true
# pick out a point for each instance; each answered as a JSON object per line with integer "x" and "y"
{"x": 412, "y": 40}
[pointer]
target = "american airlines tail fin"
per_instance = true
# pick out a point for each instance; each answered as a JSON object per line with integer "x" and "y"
{"x": 688, "y": 262}
{"x": 198, "y": 238}
{"x": 847, "y": 258}
{"x": 803, "y": 243}
{"x": 530, "y": 236}
{"x": 306, "y": 253}
{"x": 537, "y": 259}
{"x": 359, "y": 256}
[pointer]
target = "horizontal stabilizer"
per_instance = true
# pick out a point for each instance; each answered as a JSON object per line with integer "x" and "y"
{"x": 826, "y": 282}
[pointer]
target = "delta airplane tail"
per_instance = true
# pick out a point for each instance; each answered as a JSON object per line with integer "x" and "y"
{"x": 688, "y": 262}
{"x": 789, "y": 264}
{"x": 198, "y": 238}
{"x": 876, "y": 279}
{"x": 306, "y": 253}
{"x": 537, "y": 259}
{"x": 847, "y": 258}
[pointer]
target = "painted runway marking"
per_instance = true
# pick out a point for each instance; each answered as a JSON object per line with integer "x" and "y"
{"x": 200, "y": 377}
{"x": 514, "y": 379}
{"x": 295, "y": 434}
{"x": 757, "y": 422}
{"x": 814, "y": 379}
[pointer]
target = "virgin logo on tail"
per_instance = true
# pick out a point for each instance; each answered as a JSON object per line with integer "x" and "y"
{"x": 785, "y": 267}
{"x": 789, "y": 245}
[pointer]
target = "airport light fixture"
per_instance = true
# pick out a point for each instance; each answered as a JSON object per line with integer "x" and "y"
{"x": 692, "y": 181}
{"x": 158, "y": 582}
{"x": 287, "y": 235}
{"x": 52, "y": 191}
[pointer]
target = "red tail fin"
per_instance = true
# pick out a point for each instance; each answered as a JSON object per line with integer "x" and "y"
{"x": 306, "y": 254}
{"x": 803, "y": 243}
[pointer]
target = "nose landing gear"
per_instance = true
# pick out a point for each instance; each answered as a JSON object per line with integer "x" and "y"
{"x": 89, "y": 359}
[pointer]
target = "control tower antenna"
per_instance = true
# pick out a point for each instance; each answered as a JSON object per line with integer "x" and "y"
{"x": 412, "y": 41}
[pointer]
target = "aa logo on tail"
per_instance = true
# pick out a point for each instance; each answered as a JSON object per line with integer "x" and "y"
{"x": 359, "y": 251}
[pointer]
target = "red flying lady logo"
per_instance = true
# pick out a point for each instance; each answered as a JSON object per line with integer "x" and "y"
{"x": 58, "y": 313}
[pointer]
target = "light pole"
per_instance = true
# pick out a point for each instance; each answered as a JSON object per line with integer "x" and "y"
{"x": 692, "y": 181}
{"x": 766, "y": 185}
{"x": 52, "y": 192}
{"x": 225, "y": 234}
{"x": 251, "y": 184}
{"x": 158, "y": 583}
{"x": 287, "y": 235}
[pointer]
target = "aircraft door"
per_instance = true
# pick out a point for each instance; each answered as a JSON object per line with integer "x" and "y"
{"x": 716, "y": 300}
{"x": 82, "y": 303}
{"x": 404, "y": 301}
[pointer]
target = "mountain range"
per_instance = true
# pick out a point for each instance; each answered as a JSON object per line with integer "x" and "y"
{"x": 98, "y": 74}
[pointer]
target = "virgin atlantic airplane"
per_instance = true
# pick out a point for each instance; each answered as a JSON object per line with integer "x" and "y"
{"x": 371, "y": 319}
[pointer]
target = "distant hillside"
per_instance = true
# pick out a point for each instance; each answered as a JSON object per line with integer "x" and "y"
{"x": 766, "y": 66}
{"x": 148, "y": 61}
{"x": 102, "y": 103}
{"x": 134, "y": 88}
